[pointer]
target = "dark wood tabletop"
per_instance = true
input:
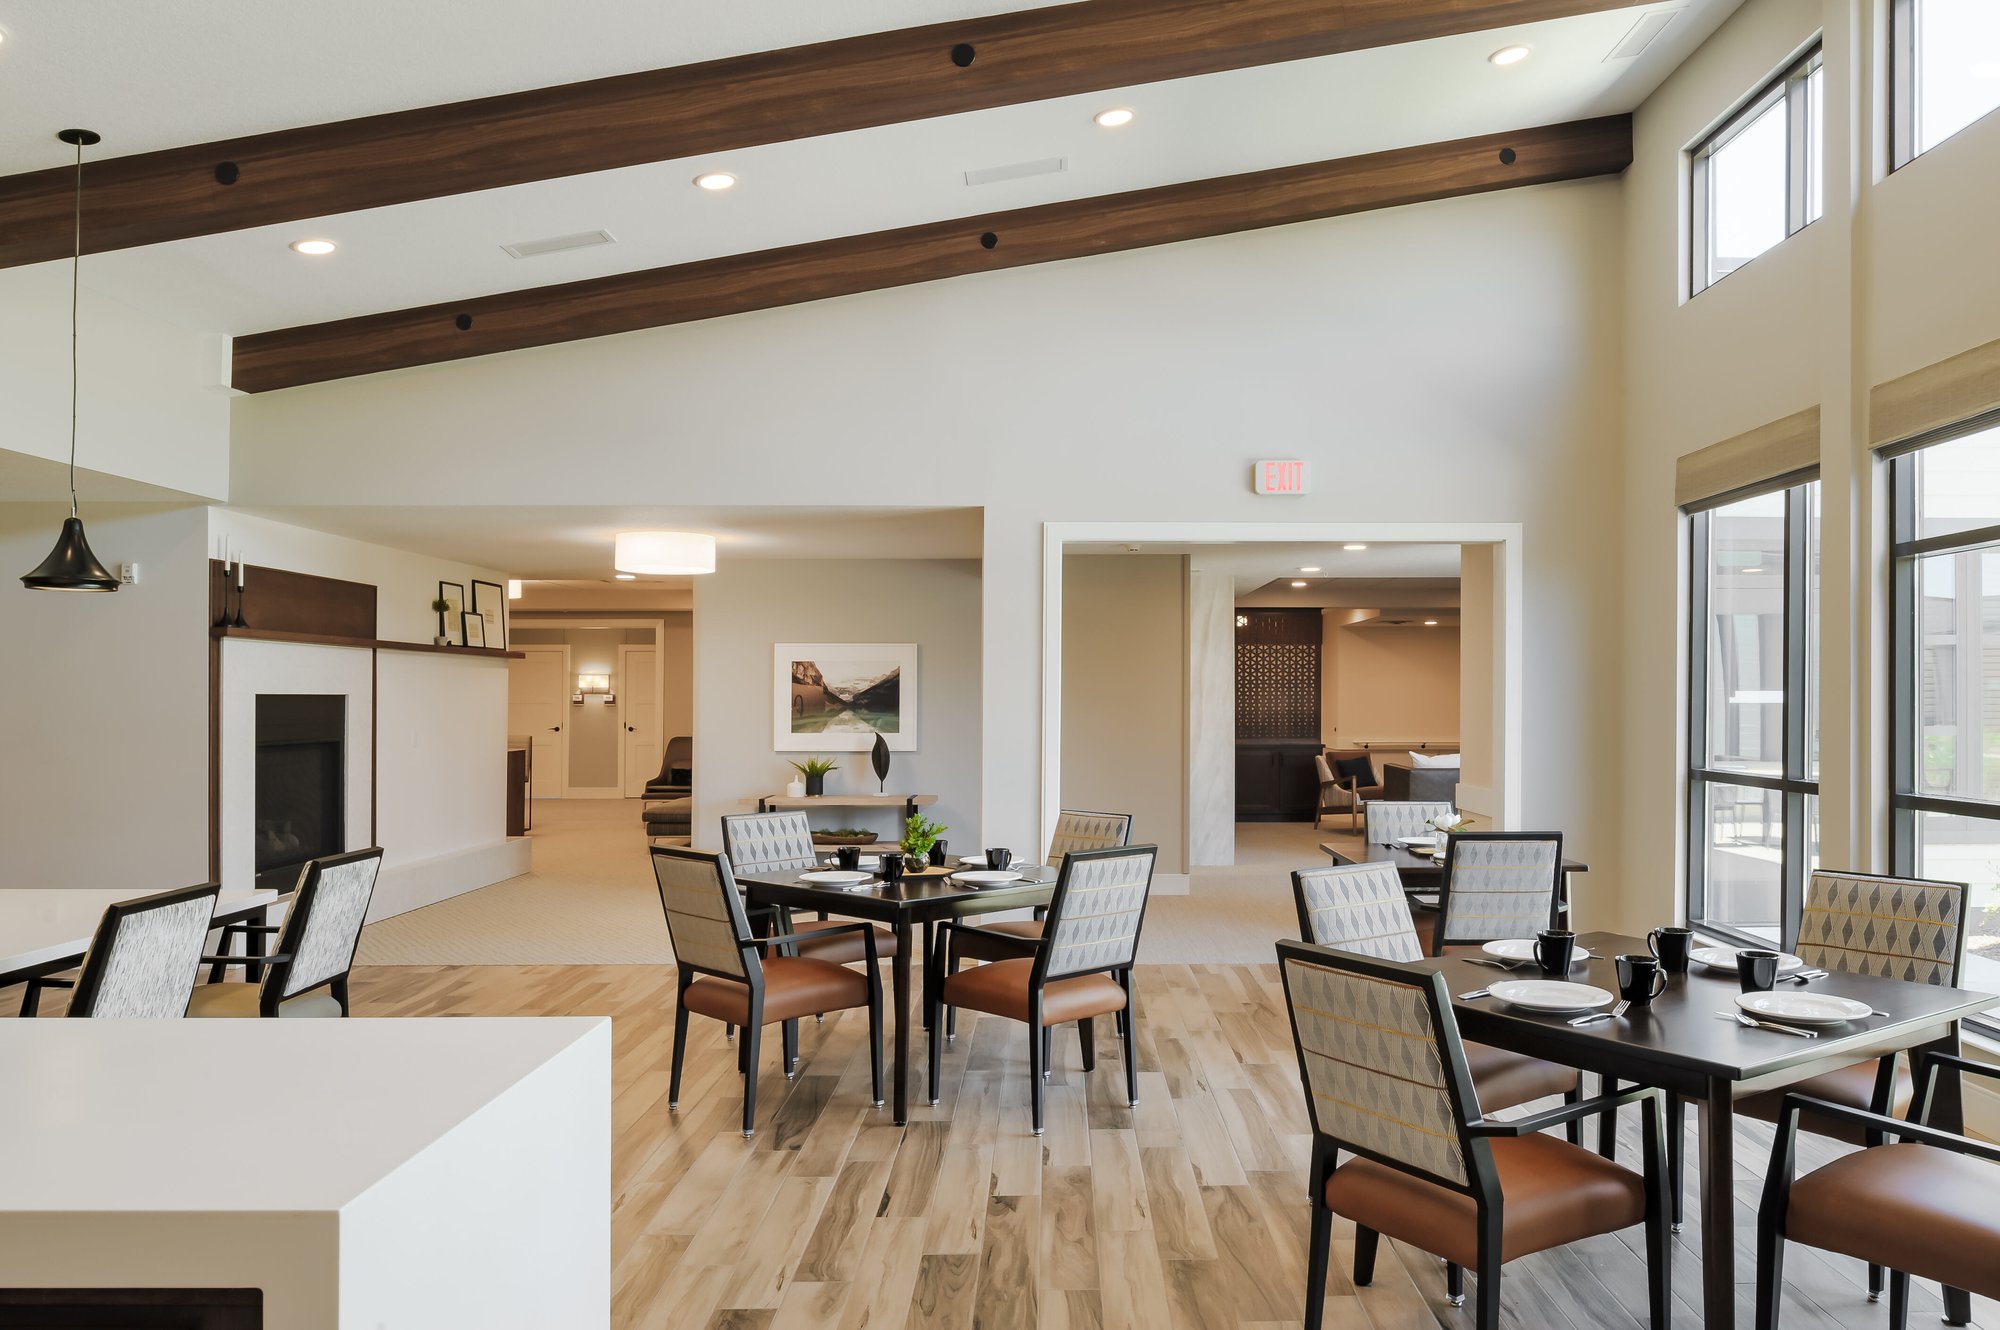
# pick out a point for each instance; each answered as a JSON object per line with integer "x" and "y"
{"x": 1413, "y": 867}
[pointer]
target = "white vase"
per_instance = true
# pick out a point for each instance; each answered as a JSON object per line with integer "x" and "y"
{"x": 796, "y": 789}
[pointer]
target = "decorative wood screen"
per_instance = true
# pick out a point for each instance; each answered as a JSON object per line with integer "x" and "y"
{"x": 1277, "y": 674}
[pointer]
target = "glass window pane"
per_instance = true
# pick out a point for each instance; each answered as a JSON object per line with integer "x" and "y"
{"x": 1958, "y": 485}
{"x": 1746, "y": 636}
{"x": 1746, "y": 191}
{"x": 1743, "y": 839}
{"x": 1810, "y": 495}
{"x": 1958, "y": 675}
{"x": 1967, "y": 849}
{"x": 1957, "y": 66}
{"x": 1812, "y": 834}
{"x": 1815, "y": 90}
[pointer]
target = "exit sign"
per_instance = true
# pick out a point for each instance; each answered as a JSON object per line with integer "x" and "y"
{"x": 1282, "y": 478}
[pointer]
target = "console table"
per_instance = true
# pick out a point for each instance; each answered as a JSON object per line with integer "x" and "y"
{"x": 909, "y": 803}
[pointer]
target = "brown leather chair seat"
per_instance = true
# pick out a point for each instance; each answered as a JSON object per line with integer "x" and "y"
{"x": 1554, "y": 1193}
{"x": 842, "y": 948}
{"x": 1914, "y": 1208}
{"x": 1002, "y": 989}
{"x": 1852, "y": 1085}
{"x": 1508, "y": 1080}
{"x": 794, "y": 986}
{"x": 1008, "y": 941}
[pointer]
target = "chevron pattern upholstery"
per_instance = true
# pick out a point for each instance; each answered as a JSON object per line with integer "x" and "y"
{"x": 1088, "y": 831}
{"x": 1095, "y": 925}
{"x": 769, "y": 842}
{"x": 1498, "y": 888}
{"x": 1897, "y": 927}
{"x": 1373, "y": 1067}
{"x": 1387, "y": 821}
{"x": 704, "y": 917}
{"x": 150, "y": 960}
{"x": 333, "y": 927}
{"x": 1359, "y": 907}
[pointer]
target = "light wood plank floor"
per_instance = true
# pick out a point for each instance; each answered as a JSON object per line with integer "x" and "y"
{"x": 1187, "y": 1212}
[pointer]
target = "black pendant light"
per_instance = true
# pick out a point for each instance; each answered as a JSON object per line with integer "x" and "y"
{"x": 70, "y": 565}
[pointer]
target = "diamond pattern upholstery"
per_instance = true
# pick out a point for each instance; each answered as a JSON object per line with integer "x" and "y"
{"x": 704, "y": 916}
{"x": 1359, "y": 907}
{"x": 1370, "y": 1049}
{"x": 146, "y": 960}
{"x": 769, "y": 842}
{"x": 1498, "y": 887}
{"x": 1076, "y": 830}
{"x": 1094, "y": 920}
{"x": 1386, "y": 821}
{"x": 1900, "y": 928}
{"x": 332, "y": 927}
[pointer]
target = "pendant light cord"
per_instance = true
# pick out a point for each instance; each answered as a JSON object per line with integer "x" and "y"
{"x": 75, "y": 263}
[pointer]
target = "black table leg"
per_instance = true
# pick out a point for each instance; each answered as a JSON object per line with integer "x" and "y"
{"x": 1947, "y": 1113}
{"x": 1607, "y": 1125}
{"x": 253, "y": 945}
{"x": 1718, "y": 1208}
{"x": 906, "y": 942}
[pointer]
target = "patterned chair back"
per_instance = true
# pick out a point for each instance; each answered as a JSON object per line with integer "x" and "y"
{"x": 144, "y": 956}
{"x": 1386, "y": 821}
{"x": 324, "y": 925}
{"x": 1359, "y": 908}
{"x": 1096, "y": 912}
{"x": 1498, "y": 884}
{"x": 1380, "y": 1060}
{"x": 1899, "y": 927}
{"x": 769, "y": 842}
{"x": 1078, "y": 830}
{"x": 705, "y": 920}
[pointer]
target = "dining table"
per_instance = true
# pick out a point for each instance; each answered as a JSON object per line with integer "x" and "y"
{"x": 1687, "y": 1043}
{"x": 45, "y": 930}
{"x": 910, "y": 908}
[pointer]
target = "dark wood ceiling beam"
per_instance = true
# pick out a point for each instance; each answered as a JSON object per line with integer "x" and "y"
{"x": 732, "y": 285}
{"x": 768, "y": 97}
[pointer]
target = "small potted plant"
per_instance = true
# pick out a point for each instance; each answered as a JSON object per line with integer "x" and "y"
{"x": 814, "y": 769}
{"x": 920, "y": 839}
{"x": 1446, "y": 826}
{"x": 442, "y": 607}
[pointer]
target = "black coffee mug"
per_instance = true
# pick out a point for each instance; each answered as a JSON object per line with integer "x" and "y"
{"x": 892, "y": 866}
{"x": 937, "y": 854}
{"x": 1555, "y": 948}
{"x": 1671, "y": 946}
{"x": 1639, "y": 979}
{"x": 1757, "y": 970}
{"x": 997, "y": 860}
{"x": 849, "y": 856}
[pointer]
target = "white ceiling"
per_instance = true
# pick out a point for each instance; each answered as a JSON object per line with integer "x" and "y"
{"x": 150, "y": 75}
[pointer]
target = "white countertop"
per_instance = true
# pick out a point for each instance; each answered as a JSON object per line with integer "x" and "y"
{"x": 41, "y": 924}
{"x": 149, "y": 1116}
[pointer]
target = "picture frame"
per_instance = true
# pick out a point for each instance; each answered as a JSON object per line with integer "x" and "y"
{"x": 474, "y": 629}
{"x": 449, "y": 619}
{"x": 837, "y": 696}
{"x": 489, "y": 602}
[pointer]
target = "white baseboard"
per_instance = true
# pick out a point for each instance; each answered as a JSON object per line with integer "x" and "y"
{"x": 409, "y": 886}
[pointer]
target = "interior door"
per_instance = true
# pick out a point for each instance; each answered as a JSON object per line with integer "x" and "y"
{"x": 639, "y": 717}
{"x": 538, "y": 706}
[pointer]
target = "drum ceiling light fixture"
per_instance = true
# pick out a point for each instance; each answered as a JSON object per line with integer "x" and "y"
{"x": 664, "y": 553}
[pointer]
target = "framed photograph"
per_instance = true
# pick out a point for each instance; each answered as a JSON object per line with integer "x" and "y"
{"x": 837, "y": 696}
{"x": 475, "y": 629}
{"x": 448, "y": 620}
{"x": 489, "y": 602}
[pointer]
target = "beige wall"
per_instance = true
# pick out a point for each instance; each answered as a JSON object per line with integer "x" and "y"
{"x": 1125, "y": 694}
{"x": 1388, "y": 684}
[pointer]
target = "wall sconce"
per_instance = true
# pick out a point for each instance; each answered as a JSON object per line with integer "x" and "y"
{"x": 593, "y": 683}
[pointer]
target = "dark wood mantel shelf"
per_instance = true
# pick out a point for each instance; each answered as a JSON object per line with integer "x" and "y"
{"x": 365, "y": 643}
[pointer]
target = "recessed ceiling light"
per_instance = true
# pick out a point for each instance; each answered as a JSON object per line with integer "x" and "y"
{"x": 1298, "y": 584}
{"x": 1430, "y": 623}
{"x": 314, "y": 247}
{"x": 1115, "y": 117}
{"x": 626, "y": 577}
{"x": 664, "y": 553}
{"x": 1309, "y": 570}
{"x": 714, "y": 181}
{"x": 1509, "y": 55}
{"x": 1354, "y": 547}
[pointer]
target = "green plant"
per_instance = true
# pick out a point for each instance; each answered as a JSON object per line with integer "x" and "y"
{"x": 920, "y": 833}
{"x": 815, "y": 766}
{"x": 441, "y": 605}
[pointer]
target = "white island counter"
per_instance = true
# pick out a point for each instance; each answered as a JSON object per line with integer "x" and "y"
{"x": 366, "y": 1174}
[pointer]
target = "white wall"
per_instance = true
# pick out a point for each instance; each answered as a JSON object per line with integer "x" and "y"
{"x": 1211, "y": 706}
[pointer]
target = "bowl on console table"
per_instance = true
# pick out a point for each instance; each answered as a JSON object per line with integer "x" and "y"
{"x": 843, "y": 837}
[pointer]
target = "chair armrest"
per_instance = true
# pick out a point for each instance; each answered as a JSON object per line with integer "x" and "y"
{"x": 253, "y": 928}
{"x": 51, "y": 981}
{"x": 1987, "y": 1069}
{"x": 1910, "y": 1131}
{"x": 278, "y": 959}
{"x": 1556, "y": 1117}
{"x": 1027, "y": 946}
{"x": 787, "y": 939}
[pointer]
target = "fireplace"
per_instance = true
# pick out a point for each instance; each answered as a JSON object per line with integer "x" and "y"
{"x": 301, "y": 776}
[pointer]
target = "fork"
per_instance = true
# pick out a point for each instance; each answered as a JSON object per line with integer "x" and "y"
{"x": 1753, "y": 1023}
{"x": 1497, "y": 964}
{"x": 1805, "y": 976}
{"x": 1611, "y": 1015}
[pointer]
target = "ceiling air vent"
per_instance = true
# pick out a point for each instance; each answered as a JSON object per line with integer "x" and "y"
{"x": 528, "y": 249}
{"x": 993, "y": 175}
{"x": 1643, "y": 33}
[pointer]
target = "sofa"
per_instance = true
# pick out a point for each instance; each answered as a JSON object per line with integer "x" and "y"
{"x": 1402, "y": 781}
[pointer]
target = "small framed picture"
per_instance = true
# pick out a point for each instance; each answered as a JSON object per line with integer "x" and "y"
{"x": 489, "y": 602}
{"x": 610, "y": 699}
{"x": 475, "y": 629}
{"x": 453, "y": 595}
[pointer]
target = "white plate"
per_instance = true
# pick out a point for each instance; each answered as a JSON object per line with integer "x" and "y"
{"x": 1804, "y": 1008}
{"x": 1523, "y": 949}
{"x": 1550, "y": 995}
{"x": 987, "y": 878}
{"x": 1424, "y": 900}
{"x": 1417, "y": 842}
{"x": 978, "y": 861}
{"x": 1724, "y": 959}
{"x": 834, "y": 877}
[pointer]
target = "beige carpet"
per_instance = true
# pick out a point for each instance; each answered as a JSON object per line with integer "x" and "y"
{"x": 590, "y": 900}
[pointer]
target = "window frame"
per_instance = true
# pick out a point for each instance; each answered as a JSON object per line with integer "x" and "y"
{"x": 1903, "y": 89}
{"x": 1788, "y": 85}
{"x": 1794, "y": 784}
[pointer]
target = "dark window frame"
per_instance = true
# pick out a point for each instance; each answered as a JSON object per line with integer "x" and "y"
{"x": 1788, "y": 85}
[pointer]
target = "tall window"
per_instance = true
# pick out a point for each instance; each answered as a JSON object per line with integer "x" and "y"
{"x": 1753, "y": 743}
{"x": 1947, "y": 70}
{"x": 1945, "y": 717}
{"x": 1757, "y": 178}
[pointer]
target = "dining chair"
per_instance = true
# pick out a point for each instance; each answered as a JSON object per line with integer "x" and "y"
{"x": 726, "y": 974}
{"x": 1386, "y": 1083}
{"x": 1927, "y": 1204}
{"x": 307, "y": 974}
{"x": 1081, "y": 967}
{"x": 1497, "y": 884}
{"x": 783, "y": 843}
{"x": 143, "y": 958}
{"x": 1386, "y": 821}
{"x": 1075, "y": 830}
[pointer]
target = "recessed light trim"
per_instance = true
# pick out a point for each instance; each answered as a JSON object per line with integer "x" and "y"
{"x": 715, "y": 181}
{"x": 1116, "y": 117}
{"x": 1509, "y": 55}
{"x": 314, "y": 248}
{"x": 1351, "y": 548}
